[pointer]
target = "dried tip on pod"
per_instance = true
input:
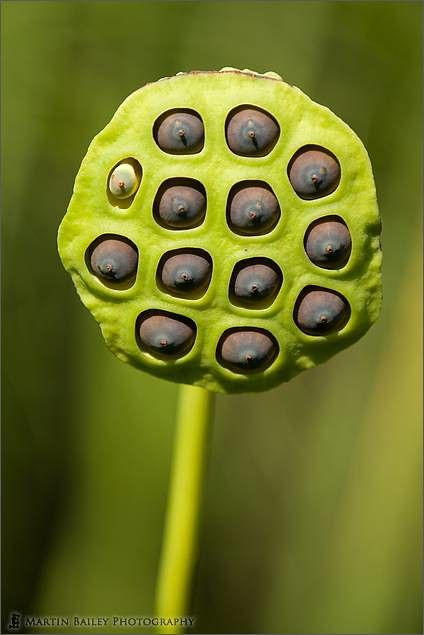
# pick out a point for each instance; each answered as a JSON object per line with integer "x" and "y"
{"x": 179, "y": 132}
{"x": 251, "y": 132}
{"x": 180, "y": 204}
{"x": 321, "y": 311}
{"x": 165, "y": 335}
{"x": 328, "y": 243}
{"x": 246, "y": 351}
{"x": 125, "y": 178}
{"x": 113, "y": 258}
{"x": 314, "y": 172}
{"x": 252, "y": 208}
{"x": 186, "y": 273}
{"x": 255, "y": 283}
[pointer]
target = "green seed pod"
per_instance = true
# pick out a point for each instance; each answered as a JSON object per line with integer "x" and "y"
{"x": 306, "y": 170}
{"x": 251, "y": 132}
{"x": 179, "y": 132}
{"x": 252, "y": 209}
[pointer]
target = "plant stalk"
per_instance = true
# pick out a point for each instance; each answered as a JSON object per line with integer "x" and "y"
{"x": 180, "y": 541}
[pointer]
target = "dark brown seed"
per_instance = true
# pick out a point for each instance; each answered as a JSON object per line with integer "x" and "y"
{"x": 180, "y": 204}
{"x": 113, "y": 258}
{"x": 321, "y": 311}
{"x": 179, "y": 132}
{"x": 255, "y": 282}
{"x": 314, "y": 172}
{"x": 328, "y": 243}
{"x": 186, "y": 273}
{"x": 247, "y": 351}
{"x": 251, "y": 132}
{"x": 166, "y": 334}
{"x": 252, "y": 209}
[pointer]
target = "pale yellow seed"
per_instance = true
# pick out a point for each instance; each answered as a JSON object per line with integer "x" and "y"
{"x": 124, "y": 181}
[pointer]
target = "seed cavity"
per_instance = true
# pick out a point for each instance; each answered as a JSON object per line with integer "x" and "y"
{"x": 255, "y": 283}
{"x": 251, "y": 131}
{"x": 185, "y": 273}
{"x": 313, "y": 172}
{"x": 321, "y": 311}
{"x": 328, "y": 243}
{"x": 165, "y": 335}
{"x": 179, "y": 132}
{"x": 247, "y": 350}
{"x": 113, "y": 259}
{"x": 252, "y": 208}
{"x": 124, "y": 181}
{"x": 180, "y": 203}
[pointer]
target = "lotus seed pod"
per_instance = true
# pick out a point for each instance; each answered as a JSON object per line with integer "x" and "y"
{"x": 180, "y": 204}
{"x": 303, "y": 191}
{"x": 314, "y": 172}
{"x": 247, "y": 351}
{"x": 186, "y": 273}
{"x": 125, "y": 179}
{"x": 179, "y": 132}
{"x": 166, "y": 335}
{"x": 327, "y": 243}
{"x": 321, "y": 311}
{"x": 252, "y": 209}
{"x": 255, "y": 283}
{"x": 251, "y": 132}
{"x": 113, "y": 258}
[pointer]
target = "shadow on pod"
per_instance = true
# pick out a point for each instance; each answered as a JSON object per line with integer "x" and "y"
{"x": 185, "y": 272}
{"x": 113, "y": 260}
{"x": 321, "y": 311}
{"x": 328, "y": 243}
{"x": 313, "y": 172}
{"x": 123, "y": 182}
{"x": 251, "y": 131}
{"x": 165, "y": 335}
{"x": 179, "y": 131}
{"x": 255, "y": 283}
{"x": 252, "y": 208}
{"x": 180, "y": 203}
{"x": 246, "y": 350}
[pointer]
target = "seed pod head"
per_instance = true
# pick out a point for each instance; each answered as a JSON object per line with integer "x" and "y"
{"x": 321, "y": 311}
{"x": 328, "y": 243}
{"x": 179, "y": 132}
{"x": 251, "y": 132}
{"x": 185, "y": 275}
{"x": 113, "y": 258}
{"x": 255, "y": 282}
{"x": 252, "y": 209}
{"x": 124, "y": 179}
{"x": 314, "y": 172}
{"x": 165, "y": 334}
{"x": 180, "y": 204}
{"x": 247, "y": 351}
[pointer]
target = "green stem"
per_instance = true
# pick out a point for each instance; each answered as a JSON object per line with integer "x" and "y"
{"x": 179, "y": 549}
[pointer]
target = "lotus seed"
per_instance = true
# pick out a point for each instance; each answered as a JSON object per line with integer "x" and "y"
{"x": 179, "y": 132}
{"x": 125, "y": 179}
{"x": 180, "y": 204}
{"x": 321, "y": 311}
{"x": 328, "y": 243}
{"x": 252, "y": 208}
{"x": 166, "y": 334}
{"x": 186, "y": 273}
{"x": 113, "y": 258}
{"x": 247, "y": 351}
{"x": 314, "y": 172}
{"x": 251, "y": 132}
{"x": 255, "y": 282}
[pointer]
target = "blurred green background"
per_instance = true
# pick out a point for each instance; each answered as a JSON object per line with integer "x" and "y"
{"x": 312, "y": 508}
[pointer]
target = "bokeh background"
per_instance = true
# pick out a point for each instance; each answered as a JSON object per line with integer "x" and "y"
{"x": 312, "y": 508}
